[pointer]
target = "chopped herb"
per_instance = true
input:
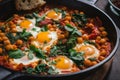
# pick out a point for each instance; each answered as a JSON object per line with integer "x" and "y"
{"x": 89, "y": 42}
{"x": 33, "y": 29}
{"x": 72, "y": 29}
{"x": 16, "y": 54}
{"x": 44, "y": 28}
{"x": 29, "y": 70}
{"x": 39, "y": 52}
{"x": 41, "y": 68}
{"x": 30, "y": 16}
{"x": 77, "y": 57}
{"x": 30, "y": 55}
{"x": 52, "y": 71}
{"x": 92, "y": 59}
{"x": 80, "y": 19}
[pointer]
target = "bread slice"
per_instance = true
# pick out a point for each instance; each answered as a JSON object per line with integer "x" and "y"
{"x": 28, "y": 4}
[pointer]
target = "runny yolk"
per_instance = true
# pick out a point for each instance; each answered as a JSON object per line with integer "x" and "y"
{"x": 53, "y": 15}
{"x": 87, "y": 49}
{"x": 43, "y": 37}
{"x": 25, "y": 24}
{"x": 63, "y": 62}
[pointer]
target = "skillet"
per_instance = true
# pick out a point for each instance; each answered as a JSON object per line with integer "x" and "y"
{"x": 91, "y": 11}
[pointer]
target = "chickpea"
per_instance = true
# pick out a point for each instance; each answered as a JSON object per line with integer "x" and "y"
{"x": 11, "y": 23}
{"x": 66, "y": 21}
{"x": 1, "y": 50}
{"x": 98, "y": 38}
{"x": 64, "y": 8}
{"x": 13, "y": 26}
{"x": 14, "y": 47}
{"x": 88, "y": 63}
{"x": 103, "y": 52}
{"x": 49, "y": 25}
{"x": 4, "y": 38}
{"x": 52, "y": 29}
{"x": 94, "y": 62}
{"x": 61, "y": 36}
{"x": 101, "y": 58}
{"x": 1, "y": 39}
{"x": 2, "y": 34}
{"x": 85, "y": 37}
{"x": 102, "y": 41}
{"x": 104, "y": 33}
{"x": 101, "y": 28}
{"x": 14, "y": 30}
{"x": 9, "y": 47}
{"x": 31, "y": 38}
{"x": 19, "y": 42}
{"x": 6, "y": 42}
{"x": 90, "y": 25}
{"x": 68, "y": 18}
{"x": 76, "y": 11}
{"x": 81, "y": 12}
{"x": 79, "y": 39}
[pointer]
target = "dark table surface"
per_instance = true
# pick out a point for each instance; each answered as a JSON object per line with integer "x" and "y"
{"x": 114, "y": 73}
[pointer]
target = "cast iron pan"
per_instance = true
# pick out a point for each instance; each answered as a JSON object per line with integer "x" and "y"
{"x": 91, "y": 11}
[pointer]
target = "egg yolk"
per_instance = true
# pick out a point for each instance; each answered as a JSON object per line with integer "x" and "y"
{"x": 43, "y": 37}
{"x": 87, "y": 49}
{"x": 63, "y": 63}
{"x": 25, "y": 24}
{"x": 53, "y": 15}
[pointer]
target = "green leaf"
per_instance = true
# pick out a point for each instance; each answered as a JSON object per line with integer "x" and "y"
{"x": 44, "y": 28}
{"x": 39, "y": 53}
{"x": 30, "y": 16}
{"x": 16, "y": 54}
{"x": 24, "y": 35}
{"x": 29, "y": 70}
{"x": 41, "y": 68}
{"x": 89, "y": 42}
{"x": 30, "y": 55}
{"x": 77, "y": 57}
{"x": 92, "y": 59}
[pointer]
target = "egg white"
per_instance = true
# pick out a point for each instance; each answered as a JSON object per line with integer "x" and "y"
{"x": 25, "y": 60}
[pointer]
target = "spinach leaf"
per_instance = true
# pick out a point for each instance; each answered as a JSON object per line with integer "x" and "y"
{"x": 44, "y": 28}
{"x": 73, "y": 30}
{"x": 30, "y": 55}
{"x": 16, "y": 54}
{"x": 30, "y": 16}
{"x": 80, "y": 19}
{"x": 24, "y": 35}
{"x": 60, "y": 11}
{"x": 92, "y": 59}
{"x": 12, "y": 38}
{"x": 89, "y": 42}
{"x": 41, "y": 68}
{"x": 77, "y": 57}
{"x": 55, "y": 51}
{"x": 29, "y": 70}
{"x": 39, "y": 53}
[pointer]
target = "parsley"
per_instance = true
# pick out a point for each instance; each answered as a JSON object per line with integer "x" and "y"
{"x": 89, "y": 42}
{"x": 44, "y": 28}
{"x": 30, "y": 55}
{"x": 77, "y": 57}
{"x": 16, "y": 54}
{"x": 39, "y": 53}
{"x": 73, "y": 30}
{"x": 80, "y": 19}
